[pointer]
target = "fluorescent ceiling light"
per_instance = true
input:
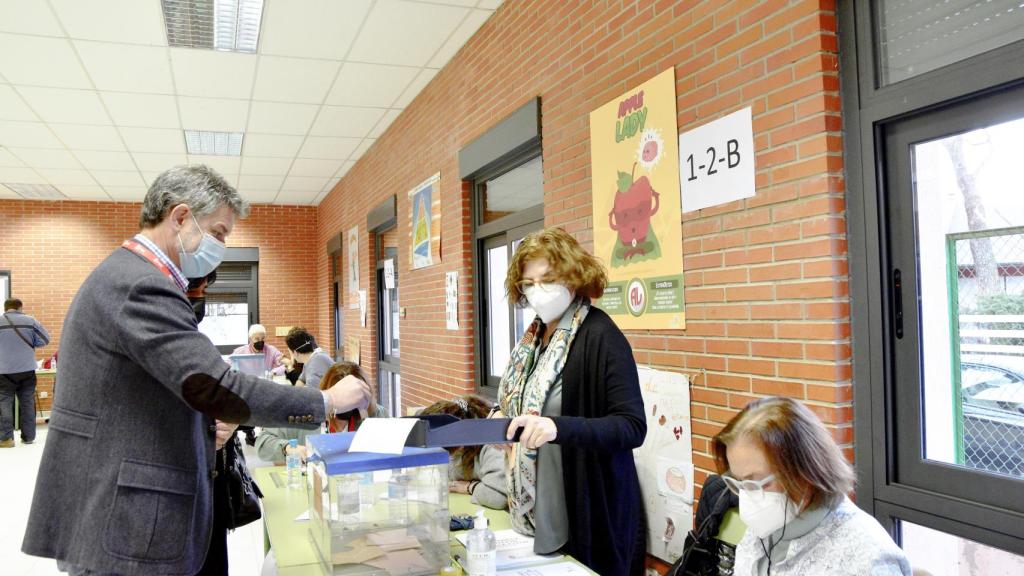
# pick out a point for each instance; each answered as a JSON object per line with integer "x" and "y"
{"x": 213, "y": 143}
{"x": 36, "y": 191}
{"x": 230, "y": 25}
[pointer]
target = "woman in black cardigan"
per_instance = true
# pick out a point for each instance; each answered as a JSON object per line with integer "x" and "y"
{"x": 572, "y": 385}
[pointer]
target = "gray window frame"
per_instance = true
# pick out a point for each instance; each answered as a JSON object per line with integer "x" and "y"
{"x": 250, "y": 288}
{"x": 867, "y": 112}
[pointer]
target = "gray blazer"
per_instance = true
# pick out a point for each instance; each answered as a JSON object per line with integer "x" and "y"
{"x": 124, "y": 485}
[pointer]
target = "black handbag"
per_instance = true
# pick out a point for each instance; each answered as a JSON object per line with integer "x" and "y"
{"x": 243, "y": 495}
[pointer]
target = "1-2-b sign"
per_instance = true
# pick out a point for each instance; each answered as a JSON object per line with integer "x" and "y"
{"x": 716, "y": 162}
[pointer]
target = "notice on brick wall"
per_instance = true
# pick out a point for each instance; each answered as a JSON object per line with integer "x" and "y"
{"x": 389, "y": 274}
{"x": 716, "y": 161}
{"x": 451, "y": 300}
{"x": 637, "y": 230}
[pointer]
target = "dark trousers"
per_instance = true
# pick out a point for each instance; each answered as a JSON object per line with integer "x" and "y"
{"x": 216, "y": 563}
{"x": 22, "y": 385}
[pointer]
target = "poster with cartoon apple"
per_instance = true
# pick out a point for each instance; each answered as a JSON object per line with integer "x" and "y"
{"x": 637, "y": 231}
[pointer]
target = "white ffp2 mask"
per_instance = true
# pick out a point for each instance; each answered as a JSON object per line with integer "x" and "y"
{"x": 549, "y": 301}
{"x": 765, "y": 512}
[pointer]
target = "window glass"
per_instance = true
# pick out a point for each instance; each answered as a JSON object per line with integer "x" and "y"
{"x": 943, "y": 554}
{"x": 515, "y": 190}
{"x": 227, "y": 319}
{"x": 497, "y": 310}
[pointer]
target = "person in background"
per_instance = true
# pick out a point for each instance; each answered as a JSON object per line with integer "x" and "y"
{"x": 20, "y": 335}
{"x": 572, "y": 386}
{"x": 272, "y": 357}
{"x": 272, "y": 443}
{"x": 475, "y": 470}
{"x": 792, "y": 482}
{"x": 124, "y": 484}
{"x": 196, "y": 294}
{"x": 302, "y": 347}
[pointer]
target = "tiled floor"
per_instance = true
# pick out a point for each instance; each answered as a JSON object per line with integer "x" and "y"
{"x": 18, "y": 468}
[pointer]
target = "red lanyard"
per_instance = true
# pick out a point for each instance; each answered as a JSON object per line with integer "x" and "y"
{"x": 146, "y": 253}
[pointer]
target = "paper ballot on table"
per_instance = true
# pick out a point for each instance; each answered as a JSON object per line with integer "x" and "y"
{"x": 554, "y": 569}
{"x": 513, "y": 549}
{"x": 382, "y": 435}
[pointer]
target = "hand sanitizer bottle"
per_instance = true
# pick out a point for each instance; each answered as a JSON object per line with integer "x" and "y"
{"x": 294, "y": 465}
{"x": 481, "y": 548}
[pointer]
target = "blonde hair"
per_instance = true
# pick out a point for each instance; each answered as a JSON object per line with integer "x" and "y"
{"x": 579, "y": 270}
{"x": 805, "y": 459}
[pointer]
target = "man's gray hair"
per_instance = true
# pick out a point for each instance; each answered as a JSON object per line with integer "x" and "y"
{"x": 199, "y": 187}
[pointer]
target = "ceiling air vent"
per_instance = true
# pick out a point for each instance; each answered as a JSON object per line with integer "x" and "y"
{"x": 213, "y": 143}
{"x": 36, "y": 191}
{"x": 228, "y": 25}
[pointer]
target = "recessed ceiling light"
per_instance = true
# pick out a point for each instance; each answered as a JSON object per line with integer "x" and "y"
{"x": 229, "y": 25}
{"x": 36, "y": 191}
{"x": 213, "y": 143}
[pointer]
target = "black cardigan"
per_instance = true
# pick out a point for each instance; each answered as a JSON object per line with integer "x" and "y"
{"x": 602, "y": 422}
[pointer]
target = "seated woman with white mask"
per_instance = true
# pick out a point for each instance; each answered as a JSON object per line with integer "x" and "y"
{"x": 792, "y": 482}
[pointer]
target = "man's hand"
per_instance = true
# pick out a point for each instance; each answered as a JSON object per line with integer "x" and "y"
{"x": 300, "y": 450}
{"x": 349, "y": 393}
{"x": 537, "y": 430}
{"x": 224, "y": 433}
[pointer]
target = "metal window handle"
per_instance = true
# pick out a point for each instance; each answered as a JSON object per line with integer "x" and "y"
{"x": 897, "y": 298}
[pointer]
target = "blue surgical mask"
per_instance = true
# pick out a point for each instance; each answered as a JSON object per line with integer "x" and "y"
{"x": 207, "y": 256}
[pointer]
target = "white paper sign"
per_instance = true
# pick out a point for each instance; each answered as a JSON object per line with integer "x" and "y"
{"x": 451, "y": 300}
{"x": 716, "y": 162}
{"x": 362, "y": 308}
{"x": 353, "y": 265}
{"x": 389, "y": 274}
{"x": 382, "y": 435}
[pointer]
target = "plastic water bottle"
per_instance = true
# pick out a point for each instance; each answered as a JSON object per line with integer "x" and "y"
{"x": 366, "y": 491}
{"x": 481, "y": 548}
{"x": 398, "y": 498}
{"x": 294, "y": 465}
{"x": 348, "y": 498}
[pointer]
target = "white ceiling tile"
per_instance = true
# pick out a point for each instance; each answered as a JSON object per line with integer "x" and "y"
{"x": 127, "y": 68}
{"x": 150, "y": 162}
{"x": 250, "y": 182}
{"x": 149, "y": 177}
{"x": 58, "y": 177}
{"x": 489, "y": 4}
{"x": 304, "y": 183}
{"x": 362, "y": 148}
{"x": 41, "y": 62}
{"x": 8, "y": 159}
{"x": 27, "y": 134}
{"x": 405, "y": 33}
{"x": 12, "y": 107}
{"x": 227, "y": 166}
{"x": 311, "y": 167}
{"x": 212, "y": 73}
{"x": 275, "y": 118}
{"x": 417, "y": 86}
{"x": 293, "y": 80}
{"x": 127, "y": 21}
{"x": 277, "y": 145}
{"x": 118, "y": 178}
{"x": 344, "y": 168}
{"x": 7, "y": 193}
{"x": 384, "y": 122}
{"x": 325, "y": 148}
{"x": 330, "y": 185}
{"x": 145, "y": 110}
{"x": 78, "y": 137}
{"x": 463, "y": 3}
{"x": 126, "y": 193}
{"x": 154, "y": 140}
{"x": 297, "y": 197}
{"x": 319, "y": 198}
{"x": 44, "y": 158}
{"x": 311, "y": 28}
{"x": 346, "y": 121}
{"x": 12, "y": 175}
{"x": 28, "y": 17}
{"x": 84, "y": 192}
{"x": 63, "y": 105}
{"x": 260, "y": 196}
{"x": 94, "y": 160}
{"x": 259, "y": 166}
{"x": 463, "y": 33}
{"x": 215, "y": 114}
{"x": 370, "y": 84}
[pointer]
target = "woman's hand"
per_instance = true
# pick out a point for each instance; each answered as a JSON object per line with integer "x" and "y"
{"x": 458, "y": 487}
{"x": 537, "y": 430}
{"x": 288, "y": 362}
{"x": 224, "y": 433}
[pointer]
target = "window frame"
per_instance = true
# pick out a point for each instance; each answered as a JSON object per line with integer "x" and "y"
{"x": 251, "y": 287}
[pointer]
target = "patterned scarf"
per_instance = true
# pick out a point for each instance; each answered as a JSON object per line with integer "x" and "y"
{"x": 523, "y": 390}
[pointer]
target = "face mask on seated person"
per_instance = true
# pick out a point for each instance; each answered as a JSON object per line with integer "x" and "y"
{"x": 258, "y": 345}
{"x": 765, "y": 512}
{"x": 198, "y": 307}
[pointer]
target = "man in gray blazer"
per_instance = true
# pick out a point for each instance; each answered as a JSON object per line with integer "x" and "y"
{"x": 124, "y": 483}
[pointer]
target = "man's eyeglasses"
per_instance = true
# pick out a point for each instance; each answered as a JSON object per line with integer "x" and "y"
{"x": 752, "y": 486}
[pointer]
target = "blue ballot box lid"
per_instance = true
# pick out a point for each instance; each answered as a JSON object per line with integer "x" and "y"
{"x": 332, "y": 450}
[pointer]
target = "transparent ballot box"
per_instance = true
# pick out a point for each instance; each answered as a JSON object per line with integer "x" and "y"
{"x": 377, "y": 514}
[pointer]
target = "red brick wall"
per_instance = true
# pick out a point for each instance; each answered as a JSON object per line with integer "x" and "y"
{"x": 766, "y": 278}
{"x": 51, "y": 247}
